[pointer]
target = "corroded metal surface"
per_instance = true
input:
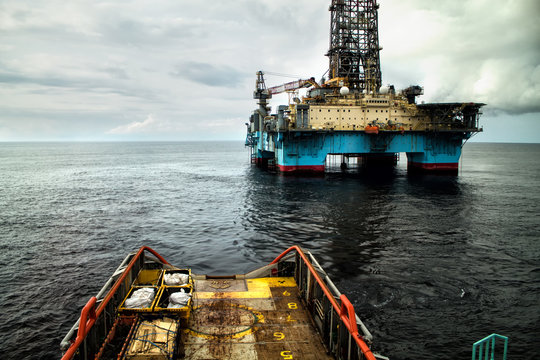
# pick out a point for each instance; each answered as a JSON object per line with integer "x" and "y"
{"x": 233, "y": 324}
{"x": 215, "y": 285}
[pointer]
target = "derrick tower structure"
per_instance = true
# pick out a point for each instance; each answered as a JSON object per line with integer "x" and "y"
{"x": 354, "y": 43}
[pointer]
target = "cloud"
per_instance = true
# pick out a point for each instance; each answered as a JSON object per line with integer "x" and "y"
{"x": 148, "y": 125}
{"x": 472, "y": 51}
{"x": 72, "y": 19}
{"x": 92, "y": 66}
{"x": 211, "y": 75}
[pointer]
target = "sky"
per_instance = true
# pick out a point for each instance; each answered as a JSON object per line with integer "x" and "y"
{"x": 118, "y": 70}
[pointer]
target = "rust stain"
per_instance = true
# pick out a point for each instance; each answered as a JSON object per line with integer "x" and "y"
{"x": 224, "y": 319}
{"x": 220, "y": 284}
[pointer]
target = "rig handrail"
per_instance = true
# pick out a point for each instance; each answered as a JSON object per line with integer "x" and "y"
{"x": 86, "y": 324}
{"x": 346, "y": 310}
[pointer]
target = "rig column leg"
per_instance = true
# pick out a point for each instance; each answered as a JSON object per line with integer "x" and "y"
{"x": 300, "y": 157}
{"x": 429, "y": 162}
{"x": 439, "y": 153}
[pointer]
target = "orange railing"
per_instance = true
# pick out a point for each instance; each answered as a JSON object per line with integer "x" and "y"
{"x": 90, "y": 314}
{"x": 345, "y": 310}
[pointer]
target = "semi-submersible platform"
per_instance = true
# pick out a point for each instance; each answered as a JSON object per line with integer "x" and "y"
{"x": 352, "y": 116}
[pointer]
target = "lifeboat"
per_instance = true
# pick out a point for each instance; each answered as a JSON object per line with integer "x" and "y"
{"x": 371, "y": 129}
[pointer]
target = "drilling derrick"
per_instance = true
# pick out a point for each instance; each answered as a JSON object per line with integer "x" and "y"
{"x": 354, "y": 43}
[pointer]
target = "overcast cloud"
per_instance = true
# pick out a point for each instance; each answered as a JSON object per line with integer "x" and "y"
{"x": 180, "y": 70}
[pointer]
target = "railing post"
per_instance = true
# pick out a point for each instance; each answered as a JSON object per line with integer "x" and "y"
{"x": 347, "y": 310}
{"x": 486, "y": 347}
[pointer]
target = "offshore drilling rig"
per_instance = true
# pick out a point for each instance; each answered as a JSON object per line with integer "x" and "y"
{"x": 352, "y": 115}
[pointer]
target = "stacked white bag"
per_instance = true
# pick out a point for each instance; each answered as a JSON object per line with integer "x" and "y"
{"x": 179, "y": 299}
{"x": 141, "y": 298}
{"x": 176, "y": 279}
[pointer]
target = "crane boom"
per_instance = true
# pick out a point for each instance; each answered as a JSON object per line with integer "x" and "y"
{"x": 291, "y": 86}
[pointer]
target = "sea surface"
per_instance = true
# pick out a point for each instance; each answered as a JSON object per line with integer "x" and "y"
{"x": 431, "y": 263}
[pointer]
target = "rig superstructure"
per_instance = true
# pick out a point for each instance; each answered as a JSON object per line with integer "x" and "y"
{"x": 353, "y": 115}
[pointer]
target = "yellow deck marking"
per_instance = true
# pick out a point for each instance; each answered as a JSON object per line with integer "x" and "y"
{"x": 286, "y": 355}
{"x": 275, "y": 281}
{"x": 242, "y": 336}
{"x": 257, "y": 289}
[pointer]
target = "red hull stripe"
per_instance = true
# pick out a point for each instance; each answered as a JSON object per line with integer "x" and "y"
{"x": 301, "y": 168}
{"x": 435, "y": 166}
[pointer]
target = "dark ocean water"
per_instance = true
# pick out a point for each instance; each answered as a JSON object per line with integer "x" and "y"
{"x": 431, "y": 263}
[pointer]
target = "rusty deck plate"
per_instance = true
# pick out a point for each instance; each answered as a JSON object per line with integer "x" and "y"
{"x": 250, "y": 319}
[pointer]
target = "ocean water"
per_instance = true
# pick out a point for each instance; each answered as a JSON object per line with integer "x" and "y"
{"x": 431, "y": 263}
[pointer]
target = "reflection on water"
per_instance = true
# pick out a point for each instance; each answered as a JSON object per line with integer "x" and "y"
{"x": 432, "y": 263}
{"x": 350, "y": 219}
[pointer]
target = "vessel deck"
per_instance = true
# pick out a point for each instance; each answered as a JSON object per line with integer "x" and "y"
{"x": 258, "y": 315}
{"x": 260, "y": 318}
